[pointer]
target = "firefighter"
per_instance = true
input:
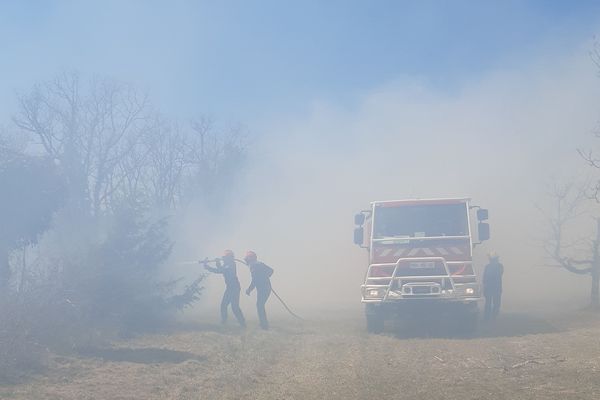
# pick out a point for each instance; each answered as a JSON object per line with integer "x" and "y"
{"x": 232, "y": 287}
{"x": 492, "y": 285}
{"x": 261, "y": 274}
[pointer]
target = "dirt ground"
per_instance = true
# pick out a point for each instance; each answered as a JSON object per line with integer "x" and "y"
{"x": 517, "y": 357}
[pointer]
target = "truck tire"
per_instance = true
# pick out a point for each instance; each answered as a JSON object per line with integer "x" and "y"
{"x": 469, "y": 321}
{"x": 375, "y": 320}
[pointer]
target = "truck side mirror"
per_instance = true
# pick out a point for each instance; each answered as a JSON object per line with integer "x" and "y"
{"x": 359, "y": 219}
{"x": 482, "y": 214}
{"x": 359, "y": 235}
{"x": 483, "y": 230}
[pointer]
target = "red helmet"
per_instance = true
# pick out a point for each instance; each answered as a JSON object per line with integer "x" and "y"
{"x": 228, "y": 253}
{"x": 250, "y": 257}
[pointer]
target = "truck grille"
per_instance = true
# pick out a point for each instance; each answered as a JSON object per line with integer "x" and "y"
{"x": 421, "y": 268}
{"x": 421, "y": 289}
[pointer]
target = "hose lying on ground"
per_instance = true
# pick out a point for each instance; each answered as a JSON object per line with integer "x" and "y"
{"x": 286, "y": 307}
{"x": 293, "y": 314}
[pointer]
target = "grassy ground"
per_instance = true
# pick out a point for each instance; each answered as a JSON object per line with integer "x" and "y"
{"x": 517, "y": 357}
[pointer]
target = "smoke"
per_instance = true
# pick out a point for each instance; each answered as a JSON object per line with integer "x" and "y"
{"x": 499, "y": 140}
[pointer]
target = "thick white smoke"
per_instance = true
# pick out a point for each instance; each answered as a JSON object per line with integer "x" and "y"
{"x": 498, "y": 140}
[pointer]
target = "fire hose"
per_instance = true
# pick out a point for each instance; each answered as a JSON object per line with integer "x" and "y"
{"x": 206, "y": 261}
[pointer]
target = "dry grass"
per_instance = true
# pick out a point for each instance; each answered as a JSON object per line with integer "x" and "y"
{"x": 19, "y": 352}
{"x": 518, "y": 357}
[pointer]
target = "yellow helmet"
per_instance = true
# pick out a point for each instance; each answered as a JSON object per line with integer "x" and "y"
{"x": 492, "y": 255}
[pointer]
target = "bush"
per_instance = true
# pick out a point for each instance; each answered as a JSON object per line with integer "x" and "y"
{"x": 88, "y": 288}
{"x": 117, "y": 283}
{"x": 18, "y": 350}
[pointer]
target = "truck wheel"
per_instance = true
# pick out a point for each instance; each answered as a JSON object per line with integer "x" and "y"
{"x": 375, "y": 320}
{"x": 469, "y": 322}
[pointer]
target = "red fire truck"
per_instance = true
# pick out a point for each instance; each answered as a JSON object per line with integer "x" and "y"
{"x": 420, "y": 259}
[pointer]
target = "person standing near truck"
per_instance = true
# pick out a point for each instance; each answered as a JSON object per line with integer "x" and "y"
{"x": 492, "y": 286}
{"x": 261, "y": 280}
{"x": 231, "y": 296}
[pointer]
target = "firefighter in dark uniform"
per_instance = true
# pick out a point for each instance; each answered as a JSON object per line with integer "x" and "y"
{"x": 492, "y": 286}
{"x": 232, "y": 287}
{"x": 261, "y": 274}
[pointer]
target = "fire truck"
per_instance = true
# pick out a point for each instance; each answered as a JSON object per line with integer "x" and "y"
{"x": 420, "y": 256}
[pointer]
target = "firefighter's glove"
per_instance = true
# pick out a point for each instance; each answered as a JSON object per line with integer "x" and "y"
{"x": 218, "y": 262}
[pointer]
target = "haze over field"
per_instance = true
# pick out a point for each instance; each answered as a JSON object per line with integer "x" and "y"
{"x": 502, "y": 140}
{"x": 139, "y": 137}
{"x": 371, "y": 113}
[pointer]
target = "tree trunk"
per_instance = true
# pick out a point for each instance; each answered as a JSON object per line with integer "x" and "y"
{"x": 595, "y": 273}
{"x": 595, "y": 299}
{"x": 4, "y": 269}
{"x": 23, "y": 270}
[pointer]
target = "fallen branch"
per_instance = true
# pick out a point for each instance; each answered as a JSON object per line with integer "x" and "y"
{"x": 524, "y": 363}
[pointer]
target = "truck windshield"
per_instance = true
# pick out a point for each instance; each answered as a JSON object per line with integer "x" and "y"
{"x": 421, "y": 221}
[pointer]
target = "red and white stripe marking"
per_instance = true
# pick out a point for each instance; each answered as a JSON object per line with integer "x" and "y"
{"x": 419, "y": 251}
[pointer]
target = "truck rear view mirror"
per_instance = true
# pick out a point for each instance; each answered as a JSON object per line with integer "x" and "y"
{"x": 482, "y": 214}
{"x": 483, "y": 229}
{"x": 359, "y": 236}
{"x": 359, "y": 219}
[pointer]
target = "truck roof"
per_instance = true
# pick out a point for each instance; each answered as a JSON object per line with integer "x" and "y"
{"x": 406, "y": 202}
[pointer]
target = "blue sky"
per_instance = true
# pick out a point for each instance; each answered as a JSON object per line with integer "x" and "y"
{"x": 251, "y": 61}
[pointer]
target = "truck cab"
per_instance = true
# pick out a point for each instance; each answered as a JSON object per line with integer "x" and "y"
{"x": 420, "y": 256}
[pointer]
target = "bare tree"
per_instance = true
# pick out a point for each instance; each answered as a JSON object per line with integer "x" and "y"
{"x": 11, "y": 146}
{"x": 88, "y": 129}
{"x": 215, "y": 157}
{"x": 576, "y": 254}
{"x": 167, "y": 149}
{"x": 97, "y": 159}
{"x": 114, "y": 148}
{"x": 33, "y": 192}
{"x": 584, "y": 254}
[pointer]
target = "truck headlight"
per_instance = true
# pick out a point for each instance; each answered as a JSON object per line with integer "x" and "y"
{"x": 374, "y": 293}
{"x": 469, "y": 290}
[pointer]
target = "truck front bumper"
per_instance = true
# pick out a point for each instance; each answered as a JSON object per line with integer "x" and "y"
{"x": 465, "y": 293}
